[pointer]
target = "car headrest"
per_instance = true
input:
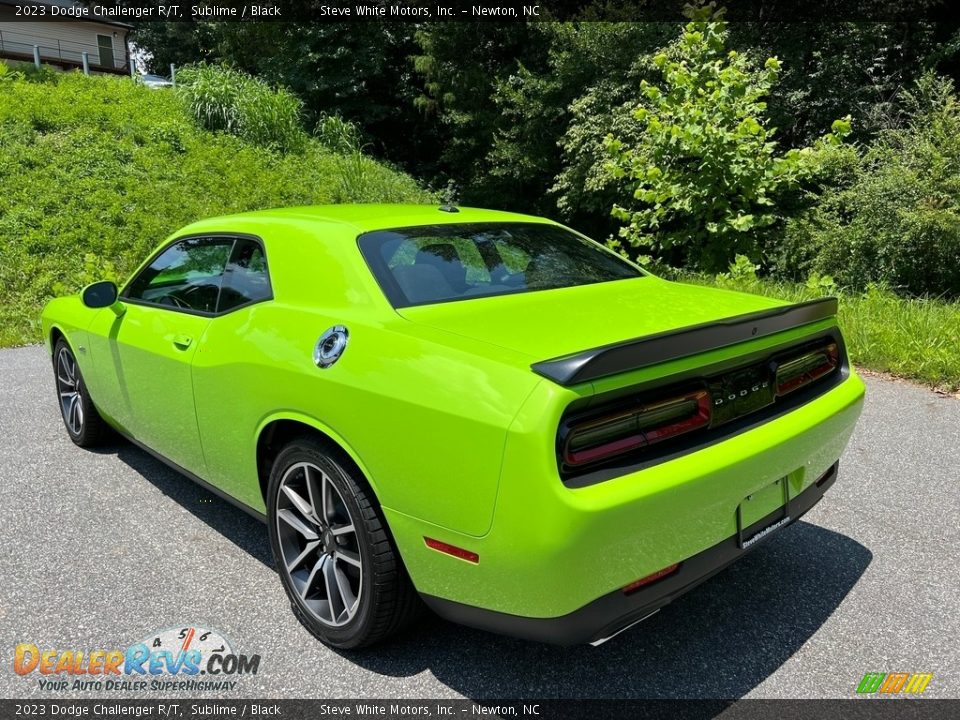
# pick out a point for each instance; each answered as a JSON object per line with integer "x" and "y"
{"x": 422, "y": 283}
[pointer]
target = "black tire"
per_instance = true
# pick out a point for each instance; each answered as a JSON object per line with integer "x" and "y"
{"x": 380, "y": 592}
{"x": 80, "y": 417}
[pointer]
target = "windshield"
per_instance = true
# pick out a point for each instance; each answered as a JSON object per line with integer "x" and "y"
{"x": 440, "y": 263}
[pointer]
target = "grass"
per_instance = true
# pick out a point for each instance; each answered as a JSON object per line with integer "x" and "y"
{"x": 916, "y": 339}
{"x": 96, "y": 171}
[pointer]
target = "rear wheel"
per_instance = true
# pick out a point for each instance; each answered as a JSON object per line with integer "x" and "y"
{"x": 337, "y": 562}
{"x": 83, "y": 423}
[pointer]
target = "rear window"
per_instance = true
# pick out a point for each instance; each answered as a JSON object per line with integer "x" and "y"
{"x": 440, "y": 263}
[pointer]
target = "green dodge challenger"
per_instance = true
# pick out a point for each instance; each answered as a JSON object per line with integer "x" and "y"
{"x": 481, "y": 411}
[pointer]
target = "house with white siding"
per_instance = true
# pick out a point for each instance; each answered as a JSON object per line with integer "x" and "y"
{"x": 62, "y": 39}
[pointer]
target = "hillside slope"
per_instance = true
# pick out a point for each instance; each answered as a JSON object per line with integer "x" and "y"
{"x": 96, "y": 171}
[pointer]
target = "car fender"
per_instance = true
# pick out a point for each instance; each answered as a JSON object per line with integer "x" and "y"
{"x": 323, "y": 428}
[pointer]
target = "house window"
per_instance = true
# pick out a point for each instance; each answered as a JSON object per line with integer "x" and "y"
{"x": 105, "y": 46}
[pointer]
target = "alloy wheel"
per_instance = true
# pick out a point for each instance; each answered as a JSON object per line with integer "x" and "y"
{"x": 68, "y": 385}
{"x": 319, "y": 545}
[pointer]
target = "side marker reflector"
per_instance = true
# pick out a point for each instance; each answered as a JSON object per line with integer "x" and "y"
{"x": 457, "y": 552}
{"x": 652, "y": 578}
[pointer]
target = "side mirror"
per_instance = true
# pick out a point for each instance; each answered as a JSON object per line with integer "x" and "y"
{"x": 100, "y": 295}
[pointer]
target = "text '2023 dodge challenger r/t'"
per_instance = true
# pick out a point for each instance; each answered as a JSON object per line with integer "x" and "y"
{"x": 481, "y": 411}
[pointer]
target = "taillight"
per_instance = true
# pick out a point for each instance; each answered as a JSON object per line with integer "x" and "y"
{"x": 604, "y": 437}
{"x": 800, "y": 371}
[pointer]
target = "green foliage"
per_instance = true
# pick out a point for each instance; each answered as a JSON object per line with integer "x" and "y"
{"x": 702, "y": 173}
{"x": 742, "y": 272}
{"x": 544, "y": 138}
{"x": 895, "y": 219}
{"x": 8, "y": 74}
{"x": 94, "y": 172}
{"x": 43, "y": 74}
{"x": 836, "y": 68}
{"x": 337, "y": 134}
{"x": 515, "y": 114}
{"x": 462, "y": 65}
{"x": 222, "y": 99}
{"x": 361, "y": 72}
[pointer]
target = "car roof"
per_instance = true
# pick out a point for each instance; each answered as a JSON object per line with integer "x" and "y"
{"x": 362, "y": 217}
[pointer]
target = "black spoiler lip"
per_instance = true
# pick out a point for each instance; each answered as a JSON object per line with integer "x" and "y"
{"x": 685, "y": 341}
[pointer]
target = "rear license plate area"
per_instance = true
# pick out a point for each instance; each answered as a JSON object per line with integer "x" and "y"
{"x": 769, "y": 504}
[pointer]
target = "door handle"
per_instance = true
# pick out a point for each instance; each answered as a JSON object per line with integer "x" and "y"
{"x": 182, "y": 341}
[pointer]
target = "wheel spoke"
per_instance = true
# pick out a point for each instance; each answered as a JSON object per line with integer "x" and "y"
{"x": 305, "y": 508}
{"x": 348, "y": 557}
{"x": 297, "y": 524}
{"x": 326, "y": 497}
{"x": 74, "y": 420}
{"x": 313, "y": 573}
{"x": 346, "y": 594}
{"x": 313, "y": 493}
{"x": 62, "y": 361}
{"x": 65, "y": 381}
{"x": 311, "y": 546}
{"x": 333, "y": 589}
{"x": 341, "y": 529}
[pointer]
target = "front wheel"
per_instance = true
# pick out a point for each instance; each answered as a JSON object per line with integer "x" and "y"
{"x": 83, "y": 423}
{"x": 344, "y": 578}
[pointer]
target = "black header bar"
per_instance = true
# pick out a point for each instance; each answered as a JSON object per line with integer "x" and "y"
{"x": 502, "y": 11}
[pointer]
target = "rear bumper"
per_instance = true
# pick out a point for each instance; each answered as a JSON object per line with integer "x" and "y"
{"x": 611, "y": 613}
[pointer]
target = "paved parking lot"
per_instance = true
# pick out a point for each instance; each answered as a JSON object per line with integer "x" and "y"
{"x": 101, "y": 549}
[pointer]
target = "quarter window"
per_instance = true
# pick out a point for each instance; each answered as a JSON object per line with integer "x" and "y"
{"x": 185, "y": 276}
{"x": 246, "y": 279}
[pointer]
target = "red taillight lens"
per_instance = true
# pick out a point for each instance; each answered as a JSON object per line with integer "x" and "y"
{"x": 638, "y": 427}
{"x": 652, "y": 578}
{"x": 800, "y": 371}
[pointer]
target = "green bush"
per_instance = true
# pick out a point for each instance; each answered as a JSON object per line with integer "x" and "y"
{"x": 94, "y": 172}
{"x": 222, "y": 99}
{"x": 896, "y": 218}
{"x": 703, "y": 178}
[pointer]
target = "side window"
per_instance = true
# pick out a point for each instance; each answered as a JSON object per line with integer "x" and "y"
{"x": 185, "y": 276}
{"x": 246, "y": 278}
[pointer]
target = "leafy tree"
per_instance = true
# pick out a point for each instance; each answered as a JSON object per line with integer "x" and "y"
{"x": 538, "y": 104}
{"x": 895, "y": 219}
{"x": 703, "y": 174}
{"x": 179, "y": 43}
{"x": 461, "y": 65}
{"x": 831, "y": 69}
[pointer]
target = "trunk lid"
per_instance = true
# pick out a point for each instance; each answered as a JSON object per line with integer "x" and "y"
{"x": 553, "y": 323}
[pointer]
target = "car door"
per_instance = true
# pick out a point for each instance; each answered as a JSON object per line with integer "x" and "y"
{"x": 147, "y": 352}
{"x": 231, "y": 371}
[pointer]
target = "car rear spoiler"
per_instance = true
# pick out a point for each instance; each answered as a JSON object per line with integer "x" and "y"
{"x": 672, "y": 344}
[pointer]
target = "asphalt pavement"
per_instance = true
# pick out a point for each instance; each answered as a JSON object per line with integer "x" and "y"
{"x": 101, "y": 549}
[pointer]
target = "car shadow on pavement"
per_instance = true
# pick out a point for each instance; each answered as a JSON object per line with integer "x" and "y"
{"x": 244, "y": 531}
{"x": 719, "y": 641}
